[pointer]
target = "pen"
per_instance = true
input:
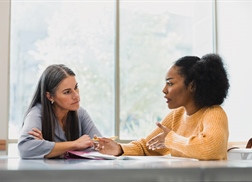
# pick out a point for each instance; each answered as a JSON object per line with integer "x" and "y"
{"x": 95, "y": 139}
{"x": 113, "y": 137}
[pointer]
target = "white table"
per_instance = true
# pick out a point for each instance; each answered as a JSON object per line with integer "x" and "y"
{"x": 73, "y": 170}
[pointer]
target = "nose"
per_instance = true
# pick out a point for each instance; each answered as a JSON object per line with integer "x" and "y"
{"x": 75, "y": 94}
{"x": 165, "y": 91}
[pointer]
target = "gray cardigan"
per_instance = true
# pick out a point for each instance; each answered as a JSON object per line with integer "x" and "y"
{"x": 30, "y": 148}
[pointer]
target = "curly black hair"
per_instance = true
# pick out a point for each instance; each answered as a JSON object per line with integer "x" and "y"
{"x": 209, "y": 78}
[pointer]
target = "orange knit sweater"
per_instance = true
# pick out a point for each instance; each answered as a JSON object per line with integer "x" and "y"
{"x": 203, "y": 135}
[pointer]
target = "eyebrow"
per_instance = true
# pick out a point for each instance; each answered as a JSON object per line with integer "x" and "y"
{"x": 67, "y": 89}
{"x": 167, "y": 79}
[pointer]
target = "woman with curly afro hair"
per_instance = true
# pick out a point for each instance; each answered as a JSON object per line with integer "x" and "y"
{"x": 197, "y": 126}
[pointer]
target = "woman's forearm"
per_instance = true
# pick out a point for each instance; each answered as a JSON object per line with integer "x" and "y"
{"x": 61, "y": 148}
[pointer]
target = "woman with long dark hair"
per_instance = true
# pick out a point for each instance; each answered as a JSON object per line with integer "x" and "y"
{"x": 55, "y": 122}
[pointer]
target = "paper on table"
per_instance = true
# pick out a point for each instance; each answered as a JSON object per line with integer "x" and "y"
{"x": 155, "y": 158}
{"x": 92, "y": 154}
{"x": 89, "y": 154}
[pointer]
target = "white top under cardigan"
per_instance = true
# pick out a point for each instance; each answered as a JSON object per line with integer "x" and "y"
{"x": 31, "y": 148}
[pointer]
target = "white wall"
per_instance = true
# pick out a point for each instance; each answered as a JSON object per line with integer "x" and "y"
{"x": 4, "y": 67}
{"x": 234, "y": 44}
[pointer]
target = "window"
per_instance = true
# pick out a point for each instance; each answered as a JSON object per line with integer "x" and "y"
{"x": 78, "y": 34}
{"x": 82, "y": 35}
{"x": 153, "y": 34}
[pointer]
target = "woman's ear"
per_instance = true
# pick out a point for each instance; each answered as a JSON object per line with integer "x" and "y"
{"x": 192, "y": 86}
{"x": 49, "y": 97}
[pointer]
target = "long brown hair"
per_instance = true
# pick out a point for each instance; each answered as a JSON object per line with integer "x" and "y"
{"x": 48, "y": 82}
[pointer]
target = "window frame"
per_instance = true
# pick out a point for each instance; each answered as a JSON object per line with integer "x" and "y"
{"x": 4, "y": 74}
{"x": 5, "y": 13}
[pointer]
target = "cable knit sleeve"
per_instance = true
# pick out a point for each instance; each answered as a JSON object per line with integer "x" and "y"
{"x": 139, "y": 147}
{"x": 203, "y": 135}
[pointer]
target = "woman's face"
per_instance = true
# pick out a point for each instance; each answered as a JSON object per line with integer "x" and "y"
{"x": 67, "y": 97}
{"x": 176, "y": 93}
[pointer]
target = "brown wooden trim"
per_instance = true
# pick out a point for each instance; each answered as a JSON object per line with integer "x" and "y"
{"x": 2, "y": 144}
{"x": 233, "y": 145}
